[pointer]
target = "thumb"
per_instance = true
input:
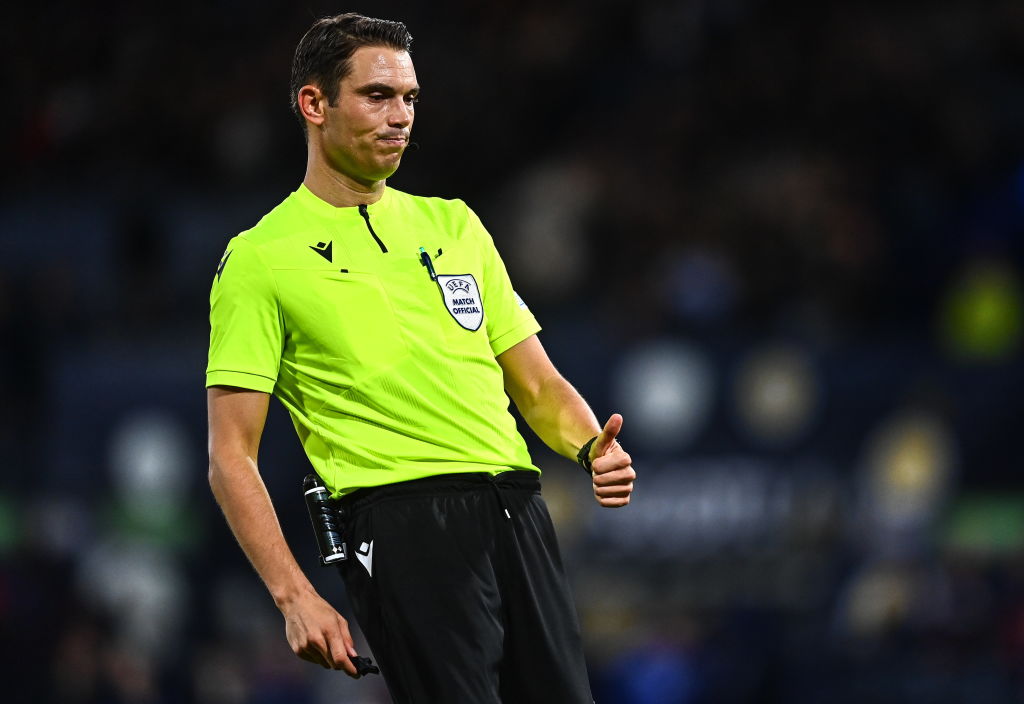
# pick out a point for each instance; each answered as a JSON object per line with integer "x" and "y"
{"x": 607, "y": 436}
{"x": 347, "y": 641}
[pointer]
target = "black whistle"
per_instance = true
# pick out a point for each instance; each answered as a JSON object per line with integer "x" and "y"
{"x": 326, "y": 517}
{"x": 365, "y": 666}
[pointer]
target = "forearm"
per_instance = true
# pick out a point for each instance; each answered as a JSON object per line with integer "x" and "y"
{"x": 559, "y": 416}
{"x": 243, "y": 498}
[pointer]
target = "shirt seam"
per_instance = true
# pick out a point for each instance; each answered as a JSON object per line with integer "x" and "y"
{"x": 238, "y": 371}
{"x": 530, "y": 324}
{"x": 231, "y": 372}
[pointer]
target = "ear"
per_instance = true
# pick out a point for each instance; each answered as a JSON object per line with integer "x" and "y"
{"x": 312, "y": 103}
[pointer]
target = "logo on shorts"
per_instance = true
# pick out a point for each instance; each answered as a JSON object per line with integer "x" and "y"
{"x": 462, "y": 299}
{"x": 365, "y": 555}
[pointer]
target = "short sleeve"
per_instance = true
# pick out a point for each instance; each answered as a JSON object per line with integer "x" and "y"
{"x": 509, "y": 321}
{"x": 246, "y": 328}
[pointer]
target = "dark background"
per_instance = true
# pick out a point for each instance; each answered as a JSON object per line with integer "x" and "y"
{"x": 784, "y": 240}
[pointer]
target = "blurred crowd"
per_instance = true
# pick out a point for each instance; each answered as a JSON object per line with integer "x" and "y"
{"x": 786, "y": 241}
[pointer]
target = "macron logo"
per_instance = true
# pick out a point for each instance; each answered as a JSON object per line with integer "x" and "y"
{"x": 324, "y": 249}
{"x": 365, "y": 555}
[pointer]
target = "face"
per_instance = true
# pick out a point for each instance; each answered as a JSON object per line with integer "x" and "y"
{"x": 364, "y": 134}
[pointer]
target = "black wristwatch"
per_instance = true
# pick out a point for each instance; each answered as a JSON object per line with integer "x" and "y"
{"x": 583, "y": 456}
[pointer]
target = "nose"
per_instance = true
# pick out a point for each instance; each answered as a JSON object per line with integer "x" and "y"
{"x": 400, "y": 114}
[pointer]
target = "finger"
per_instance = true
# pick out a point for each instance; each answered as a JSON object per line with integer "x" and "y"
{"x": 335, "y": 647}
{"x": 307, "y": 657}
{"x": 614, "y": 501}
{"x": 618, "y": 490}
{"x": 611, "y": 463}
{"x": 614, "y": 475}
{"x": 321, "y": 647}
{"x": 313, "y": 655}
{"x": 607, "y": 435}
{"x": 346, "y": 639}
{"x": 339, "y": 658}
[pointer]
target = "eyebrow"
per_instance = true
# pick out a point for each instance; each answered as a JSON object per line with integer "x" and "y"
{"x": 383, "y": 88}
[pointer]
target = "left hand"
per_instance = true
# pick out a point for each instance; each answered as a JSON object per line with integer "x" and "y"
{"x": 611, "y": 467}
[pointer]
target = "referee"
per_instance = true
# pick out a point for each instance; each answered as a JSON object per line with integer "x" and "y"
{"x": 387, "y": 326}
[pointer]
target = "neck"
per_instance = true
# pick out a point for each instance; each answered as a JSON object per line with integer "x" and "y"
{"x": 336, "y": 188}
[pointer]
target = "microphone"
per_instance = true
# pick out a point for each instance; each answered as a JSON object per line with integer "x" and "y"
{"x": 413, "y": 147}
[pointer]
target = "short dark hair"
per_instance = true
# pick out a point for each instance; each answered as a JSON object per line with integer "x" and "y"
{"x": 324, "y": 54}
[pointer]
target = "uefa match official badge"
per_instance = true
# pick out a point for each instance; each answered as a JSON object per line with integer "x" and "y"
{"x": 462, "y": 298}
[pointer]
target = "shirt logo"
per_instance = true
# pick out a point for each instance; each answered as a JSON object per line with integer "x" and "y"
{"x": 324, "y": 249}
{"x": 220, "y": 267}
{"x": 462, "y": 299}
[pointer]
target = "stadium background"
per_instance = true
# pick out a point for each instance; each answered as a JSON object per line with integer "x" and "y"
{"x": 783, "y": 240}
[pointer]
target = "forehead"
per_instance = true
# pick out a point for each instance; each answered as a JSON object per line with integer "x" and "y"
{"x": 381, "y": 64}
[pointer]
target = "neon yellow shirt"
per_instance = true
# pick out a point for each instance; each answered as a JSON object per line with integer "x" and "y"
{"x": 388, "y": 374}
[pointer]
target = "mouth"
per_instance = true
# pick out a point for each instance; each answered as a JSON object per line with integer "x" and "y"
{"x": 394, "y": 140}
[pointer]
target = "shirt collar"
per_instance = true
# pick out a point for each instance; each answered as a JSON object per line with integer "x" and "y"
{"x": 310, "y": 200}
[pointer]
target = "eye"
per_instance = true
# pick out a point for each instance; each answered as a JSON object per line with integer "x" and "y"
{"x": 412, "y": 99}
{"x": 377, "y": 97}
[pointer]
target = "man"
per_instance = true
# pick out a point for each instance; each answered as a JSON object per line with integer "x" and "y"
{"x": 387, "y": 326}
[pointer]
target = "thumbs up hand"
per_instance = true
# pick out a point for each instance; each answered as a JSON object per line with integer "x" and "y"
{"x": 611, "y": 467}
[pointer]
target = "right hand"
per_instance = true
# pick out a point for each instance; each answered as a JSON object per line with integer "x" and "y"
{"x": 319, "y": 634}
{"x": 611, "y": 467}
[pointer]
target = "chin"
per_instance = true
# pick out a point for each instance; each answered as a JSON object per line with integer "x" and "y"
{"x": 387, "y": 170}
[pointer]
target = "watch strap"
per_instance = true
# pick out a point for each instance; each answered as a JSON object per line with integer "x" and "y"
{"x": 583, "y": 456}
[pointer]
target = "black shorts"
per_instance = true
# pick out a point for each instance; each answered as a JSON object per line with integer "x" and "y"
{"x": 458, "y": 586}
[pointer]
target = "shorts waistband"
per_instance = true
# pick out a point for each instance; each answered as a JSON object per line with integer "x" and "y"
{"x": 517, "y": 479}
